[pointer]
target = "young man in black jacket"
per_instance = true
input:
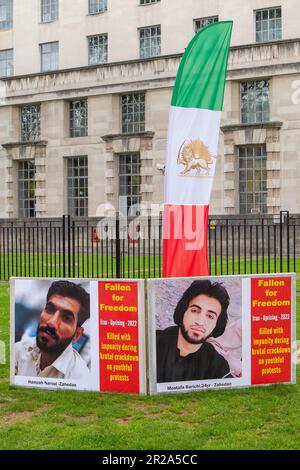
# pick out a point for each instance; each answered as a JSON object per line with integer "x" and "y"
{"x": 183, "y": 354}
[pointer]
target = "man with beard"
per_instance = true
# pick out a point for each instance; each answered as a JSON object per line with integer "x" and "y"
{"x": 51, "y": 354}
{"x": 182, "y": 351}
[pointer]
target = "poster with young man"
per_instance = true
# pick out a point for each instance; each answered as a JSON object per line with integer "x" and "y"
{"x": 220, "y": 332}
{"x": 65, "y": 334}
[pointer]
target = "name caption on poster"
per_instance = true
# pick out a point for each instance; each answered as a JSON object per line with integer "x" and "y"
{"x": 54, "y": 385}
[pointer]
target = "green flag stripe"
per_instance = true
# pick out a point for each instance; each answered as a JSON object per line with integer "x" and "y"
{"x": 200, "y": 81}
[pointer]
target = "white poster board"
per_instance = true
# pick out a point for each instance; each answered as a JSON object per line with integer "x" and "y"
{"x": 221, "y": 332}
{"x": 78, "y": 334}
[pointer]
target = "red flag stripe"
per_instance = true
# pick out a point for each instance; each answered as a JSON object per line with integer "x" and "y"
{"x": 185, "y": 241}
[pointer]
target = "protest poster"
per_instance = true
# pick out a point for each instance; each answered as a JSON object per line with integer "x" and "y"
{"x": 85, "y": 334}
{"x": 119, "y": 306}
{"x": 220, "y": 332}
{"x": 78, "y": 334}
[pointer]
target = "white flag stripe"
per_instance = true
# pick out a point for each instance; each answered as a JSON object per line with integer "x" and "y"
{"x": 185, "y": 126}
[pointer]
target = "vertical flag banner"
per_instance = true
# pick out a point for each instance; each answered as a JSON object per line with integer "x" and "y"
{"x": 194, "y": 126}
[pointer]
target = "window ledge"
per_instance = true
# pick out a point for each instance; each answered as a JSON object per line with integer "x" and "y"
{"x": 39, "y": 143}
{"x": 259, "y": 125}
{"x": 143, "y": 135}
{"x": 49, "y": 21}
{"x": 72, "y": 137}
{"x": 97, "y": 13}
{"x": 50, "y": 71}
{"x": 148, "y": 4}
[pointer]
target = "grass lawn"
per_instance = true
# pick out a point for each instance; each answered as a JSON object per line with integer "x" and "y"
{"x": 138, "y": 264}
{"x": 257, "y": 418}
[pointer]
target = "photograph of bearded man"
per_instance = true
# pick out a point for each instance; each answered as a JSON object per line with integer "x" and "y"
{"x": 183, "y": 352}
{"x": 50, "y": 352}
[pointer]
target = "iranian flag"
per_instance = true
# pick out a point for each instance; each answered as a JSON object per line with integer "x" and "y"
{"x": 192, "y": 151}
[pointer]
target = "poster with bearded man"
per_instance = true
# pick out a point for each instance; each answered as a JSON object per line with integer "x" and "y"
{"x": 195, "y": 334}
{"x": 52, "y": 340}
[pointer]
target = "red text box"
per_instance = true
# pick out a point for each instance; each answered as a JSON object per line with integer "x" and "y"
{"x": 118, "y": 336}
{"x": 271, "y": 312}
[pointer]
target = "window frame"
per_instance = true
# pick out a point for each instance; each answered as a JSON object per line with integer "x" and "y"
{"x": 98, "y": 12}
{"x": 105, "y": 45}
{"x": 56, "y": 10}
{"x": 259, "y": 185}
{"x": 255, "y": 101}
{"x": 205, "y": 18}
{"x": 143, "y": 29}
{"x": 75, "y": 208}
{"x": 138, "y": 125}
{"x": 8, "y": 22}
{"x": 25, "y": 189}
{"x": 6, "y": 60}
{"x": 83, "y": 129}
{"x": 52, "y": 54}
{"x": 262, "y": 10}
{"x": 25, "y": 134}
{"x": 129, "y": 176}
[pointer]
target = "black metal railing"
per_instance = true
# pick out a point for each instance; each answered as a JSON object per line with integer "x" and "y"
{"x": 96, "y": 248}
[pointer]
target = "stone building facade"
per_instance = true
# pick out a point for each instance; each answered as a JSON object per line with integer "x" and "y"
{"x": 85, "y": 91}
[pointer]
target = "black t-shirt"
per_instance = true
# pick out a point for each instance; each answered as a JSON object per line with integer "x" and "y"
{"x": 206, "y": 363}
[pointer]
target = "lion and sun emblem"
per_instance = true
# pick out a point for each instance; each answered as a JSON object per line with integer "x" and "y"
{"x": 196, "y": 159}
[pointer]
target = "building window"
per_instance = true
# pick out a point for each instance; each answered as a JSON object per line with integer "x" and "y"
{"x": 31, "y": 123}
{"x": 78, "y": 186}
{"x": 26, "y": 188}
{"x": 255, "y": 106}
{"x": 253, "y": 179}
{"x": 6, "y": 14}
{"x": 97, "y": 6}
{"x": 133, "y": 113}
{"x": 6, "y": 63}
{"x": 49, "y": 56}
{"x": 148, "y": 2}
{"x": 129, "y": 181}
{"x": 49, "y": 9}
{"x": 268, "y": 24}
{"x": 150, "y": 39}
{"x": 97, "y": 49}
{"x": 78, "y": 118}
{"x": 200, "y": 23}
